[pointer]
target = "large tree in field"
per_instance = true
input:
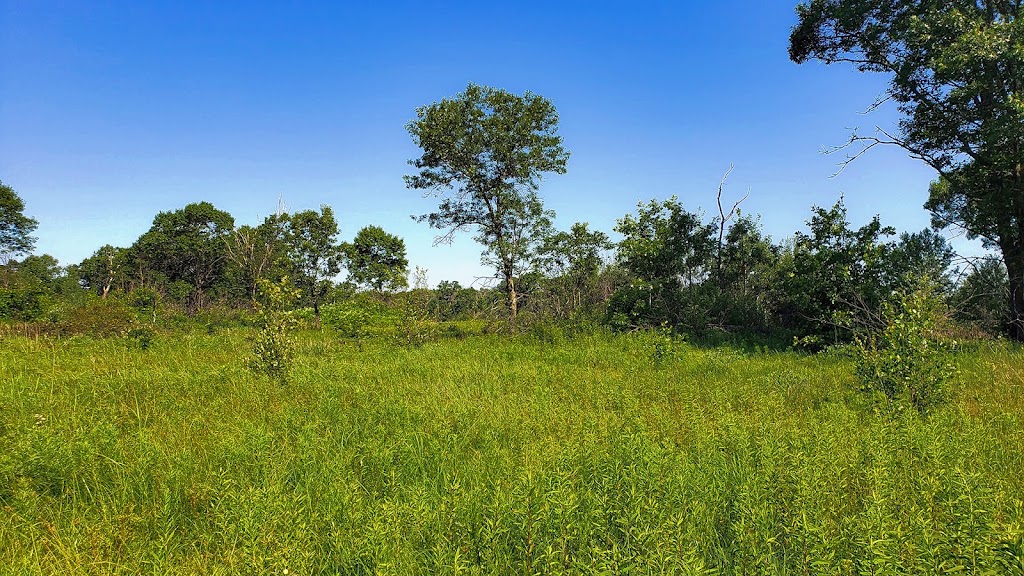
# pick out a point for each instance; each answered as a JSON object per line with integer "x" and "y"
{"x": 484, "y": 153}
{"x": 376, "y": 259}
{"x": 311, "y": 240}
{"x": 187, "y": 245}
{"x": 15, "y": 228}
{"x": 956, "y": 73}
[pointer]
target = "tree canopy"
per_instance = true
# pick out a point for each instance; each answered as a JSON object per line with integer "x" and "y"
{"x": 956, "y": 72}
{"x": 485, "y": 151}
{"x": 15, "y": 228}
{"x": 376, "y": 260}
{"x": 187, "y": 245}
{"x": 311, "y": 239}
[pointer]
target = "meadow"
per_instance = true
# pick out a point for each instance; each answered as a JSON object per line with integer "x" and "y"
{"x": 592, "y": 454}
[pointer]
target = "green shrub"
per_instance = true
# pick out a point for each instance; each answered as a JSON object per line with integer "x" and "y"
{"x": 358, "y": 317}
{"x": 141, "y": 337}
{"x": 663, "y": 346}
{"x": 272, "y": 346}
{"x": 907, "y": 362}
{"x": 99, "y": 318}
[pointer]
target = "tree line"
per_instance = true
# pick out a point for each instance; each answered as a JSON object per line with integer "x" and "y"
{"x": 955, "y": 76}
{"x": 671, "y": 268}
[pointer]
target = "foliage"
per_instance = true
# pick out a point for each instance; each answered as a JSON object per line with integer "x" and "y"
{"x": 665, "y": 245}
{"x": 15, "y": 228}
{"x": 105, "y": 270}
{"x": 97, "y": 318}
{"x": 669, "y": 252}
{"x": 571, "y": 262}
{"x": 924, "y": 254}
{"x": 272, "y": 346}
{"x": 187, "y": 245}
{"x": 907, "y": 363}
{"x": 258, "y": 252}
{"x": 28, "y": 286}
{"x": 664, "y": 347}
{"x": 954, "y": 72}
{"x": 142, "y": 337}
{"x": 486, "y": 151}
{"x": 451, "y": 301}
{"x": 359, "y": 316}
{"x": 980, "y": 298}
{"x": 312, "y": 244}
{"x": 377, "y": 260}
{"x": 838, "y": 275}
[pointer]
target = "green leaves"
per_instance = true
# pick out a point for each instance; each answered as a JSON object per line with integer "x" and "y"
{"x": 312, "y": 245}
{"x": 906, "y": 362}
{"x": 15, "y": 228}
{"x": 376, "y": 260}
{"x": 956, "y": 73}
{"x": 272, "y": 347}
{"x": 486, "y": 150}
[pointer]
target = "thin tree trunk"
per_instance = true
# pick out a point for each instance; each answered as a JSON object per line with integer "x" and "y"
{"x": 513, "y": 300}
{"x": 1013, "y": 257}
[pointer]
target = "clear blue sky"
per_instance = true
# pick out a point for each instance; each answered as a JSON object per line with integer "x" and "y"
{"x": 113, "y": 111}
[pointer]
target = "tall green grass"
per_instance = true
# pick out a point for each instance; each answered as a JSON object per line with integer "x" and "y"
{"x": 496, "y": 455}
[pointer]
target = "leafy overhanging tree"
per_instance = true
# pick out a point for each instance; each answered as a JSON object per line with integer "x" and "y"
{"x": 485, "y": 151}
{"x": 956, "y": 71}
{"x": 376, "y": 260}
{"x": 15, "y": 228}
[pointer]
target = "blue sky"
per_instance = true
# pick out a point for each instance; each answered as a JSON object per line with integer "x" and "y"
{"x": 113, "y": 111}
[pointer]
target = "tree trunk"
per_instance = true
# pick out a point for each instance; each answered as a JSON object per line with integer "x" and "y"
{"x": 1013, "y": 257}
{"x": 513, "y": 299}
{"x": 316, "y": 306}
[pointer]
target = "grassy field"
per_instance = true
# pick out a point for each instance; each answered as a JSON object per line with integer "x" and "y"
{"x": 496, "y": 455}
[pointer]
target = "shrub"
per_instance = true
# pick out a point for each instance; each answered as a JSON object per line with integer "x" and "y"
{"x": 99, "y": 318}
{"x": 358, "y": 317}
{"x": 664, "y": 347}
{"x": 141, "y": 337}
{"x": 907, "y": 362}
{"x": 272, "y": 347}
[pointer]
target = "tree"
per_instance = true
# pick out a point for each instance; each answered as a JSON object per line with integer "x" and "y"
{"x": 663, "y": 243}
{"x": 376, "y": 260}
{"x": 956, "y": 75}
{"x": 255, "y": 250}
{"x": 919, "y": 255}
{"x": 574, "y": 258}
{"x": 744, "y": 255}
{"x": 187, "y": 245}
{"x": 104, "y": 270}
{"x": 486, "y": 151}
{"x": 980, "y": 297}
{"x": 670, "y": 253}
{"x": 15, "y": 228}
{"x": 313, "y": 250}
{"x": 838, "y": 279}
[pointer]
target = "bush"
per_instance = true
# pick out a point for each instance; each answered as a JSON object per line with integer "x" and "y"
{"x": 99, "y": 318}
{"x": 272, "y": 348}
{"x": 358, "y": 317}
{"x": 907, "y": 362}
{"x": 141, "y": 337}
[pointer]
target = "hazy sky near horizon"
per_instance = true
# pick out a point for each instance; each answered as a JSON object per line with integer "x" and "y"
{"x": 113, "y": 111}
